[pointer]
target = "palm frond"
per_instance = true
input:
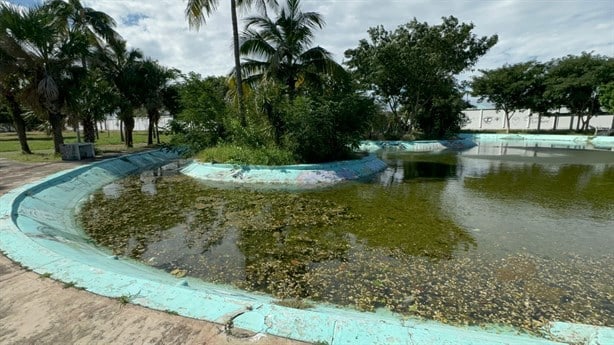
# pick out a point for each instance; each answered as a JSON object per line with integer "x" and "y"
{"x": 197, "y": 11}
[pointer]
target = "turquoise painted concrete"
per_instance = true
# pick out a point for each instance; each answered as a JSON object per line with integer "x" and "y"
{"x": 417, "y": 145}
{"x": 293, "y": 176}
{"x": 546, "y": 140}
{"x": 38, "y": 230}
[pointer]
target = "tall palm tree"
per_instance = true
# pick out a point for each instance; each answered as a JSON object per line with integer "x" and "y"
{"x": 280, "y": 48}
{"x": 97, "y": 26}
{"x": 50, "y": 57}
{"x": 12, "y": 62}
{"x": 153, "y": 82}
{"x": 198, "y": 10}
{"x": 122, "y": 67}
{"x": 97, "y": 29}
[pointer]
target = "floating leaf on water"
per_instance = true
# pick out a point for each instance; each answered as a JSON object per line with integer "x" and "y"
{"x": 179, "y": 273}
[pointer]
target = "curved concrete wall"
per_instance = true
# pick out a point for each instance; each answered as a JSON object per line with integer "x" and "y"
{"x": 585, "y": 141}
{"x": 293, "y": 176}
{"x": 38, "y": 230}
{"x": 416, "y": 145}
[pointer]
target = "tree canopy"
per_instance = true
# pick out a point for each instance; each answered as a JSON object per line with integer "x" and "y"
{"x": 511, "y": 87}
{"x": 412, "y": 70}
{"x": 281, "y": 48}
{"x": 573, "y": 82}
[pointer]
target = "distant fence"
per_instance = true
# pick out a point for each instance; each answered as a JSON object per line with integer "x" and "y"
{"x": 491, "y": 119}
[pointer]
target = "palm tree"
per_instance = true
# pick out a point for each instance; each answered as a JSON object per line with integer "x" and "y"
{"x": 197, "y": 11}
{"x": 97, "y": 29}
{"x": 121, "y": 66}
{"x": 280, "y": 49}
{"x": 153, "y": 83}
{"x": 11, "y": 69}
{"x": 33, "y": 33}
{"x": 97, "y": 26}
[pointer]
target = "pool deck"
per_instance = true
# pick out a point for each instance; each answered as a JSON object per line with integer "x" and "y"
{"x": 35, "y": 310}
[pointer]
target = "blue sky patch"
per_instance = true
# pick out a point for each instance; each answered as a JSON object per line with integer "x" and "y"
{"x": 133, "y": 19}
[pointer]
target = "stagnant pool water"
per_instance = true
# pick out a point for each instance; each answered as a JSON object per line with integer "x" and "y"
{"x": 495, "y": 234}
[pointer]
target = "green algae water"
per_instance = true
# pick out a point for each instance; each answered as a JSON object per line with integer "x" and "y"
{"x": 495, "y": 234}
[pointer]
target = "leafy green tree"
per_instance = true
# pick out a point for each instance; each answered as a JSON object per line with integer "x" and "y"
{"x": 573, "y": 82}
{"x": 412, "y": 71}
{"x": 201, "y": 121}
{"x": 511, "y": 88}
{"x": 606, "y": 97}
{"x": 197, "y": 11}
{"x": 322, "y": 129}
{"x": 280, "y": 48}
{"x": 202, "y": 101}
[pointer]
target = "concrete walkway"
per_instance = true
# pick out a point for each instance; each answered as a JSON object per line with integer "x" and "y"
{"x": 38, "y": 310}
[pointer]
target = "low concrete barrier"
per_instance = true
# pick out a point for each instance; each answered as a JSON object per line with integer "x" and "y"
{"x": 416, "y": 145}
{"x": 292, "y": 176}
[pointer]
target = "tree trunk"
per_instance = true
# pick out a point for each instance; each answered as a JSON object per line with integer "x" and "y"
{"x": 539, "y": 122}
{"x": 88, "y": 129}
{"x": 157, "y": 133}
{"x": 152, "y": 115}
{"x": 18, "y": 122}
{"x": 121, "y": 131}
{"x": 578, "y": 122}
{"x": 55, "y": 119}
{"x": 586, "y": 123}
{"x": 507, "y": 123}
{"x": 239, "y": 79}
{"x": 150, "y": 132}
{"x": 129, "y": 127}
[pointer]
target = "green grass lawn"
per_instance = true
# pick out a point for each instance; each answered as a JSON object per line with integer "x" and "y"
{"x": 41, "y": 144}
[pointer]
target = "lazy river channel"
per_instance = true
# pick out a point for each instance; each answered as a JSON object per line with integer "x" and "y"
{"x": 494, "y": 234}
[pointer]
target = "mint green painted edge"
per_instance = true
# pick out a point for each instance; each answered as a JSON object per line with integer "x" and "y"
{"x": 554, "y": 140}
{"x": 293, "y": 176}
{"x": 38, "y": 229}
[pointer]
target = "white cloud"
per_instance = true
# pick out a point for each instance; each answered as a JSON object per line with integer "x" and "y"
{"x": 527, "y": 29}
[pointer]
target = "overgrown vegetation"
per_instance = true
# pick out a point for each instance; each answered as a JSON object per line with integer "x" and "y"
{"x": 232, "y": 154}
{"x": 64, "y": 65}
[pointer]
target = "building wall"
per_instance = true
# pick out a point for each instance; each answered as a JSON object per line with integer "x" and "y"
{"x": 491, "y": 119}
{"x": 140, "y": 123}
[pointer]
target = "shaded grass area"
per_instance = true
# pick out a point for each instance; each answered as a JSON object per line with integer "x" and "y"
{"x": 41, "y": 144}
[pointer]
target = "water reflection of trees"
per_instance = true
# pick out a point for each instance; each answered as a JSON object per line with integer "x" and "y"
{"x": 419, "y": 167}
{"x": 280, "y": 236}
{"x": 555, "y": 187}
{"x": 408, "y": 218}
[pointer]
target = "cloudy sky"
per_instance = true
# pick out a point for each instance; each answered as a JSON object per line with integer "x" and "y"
{"x": 527, "y": 29}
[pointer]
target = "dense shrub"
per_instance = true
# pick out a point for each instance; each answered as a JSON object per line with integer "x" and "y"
{"x": 235, "y": 154}
{"x": 322, "y": 129}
